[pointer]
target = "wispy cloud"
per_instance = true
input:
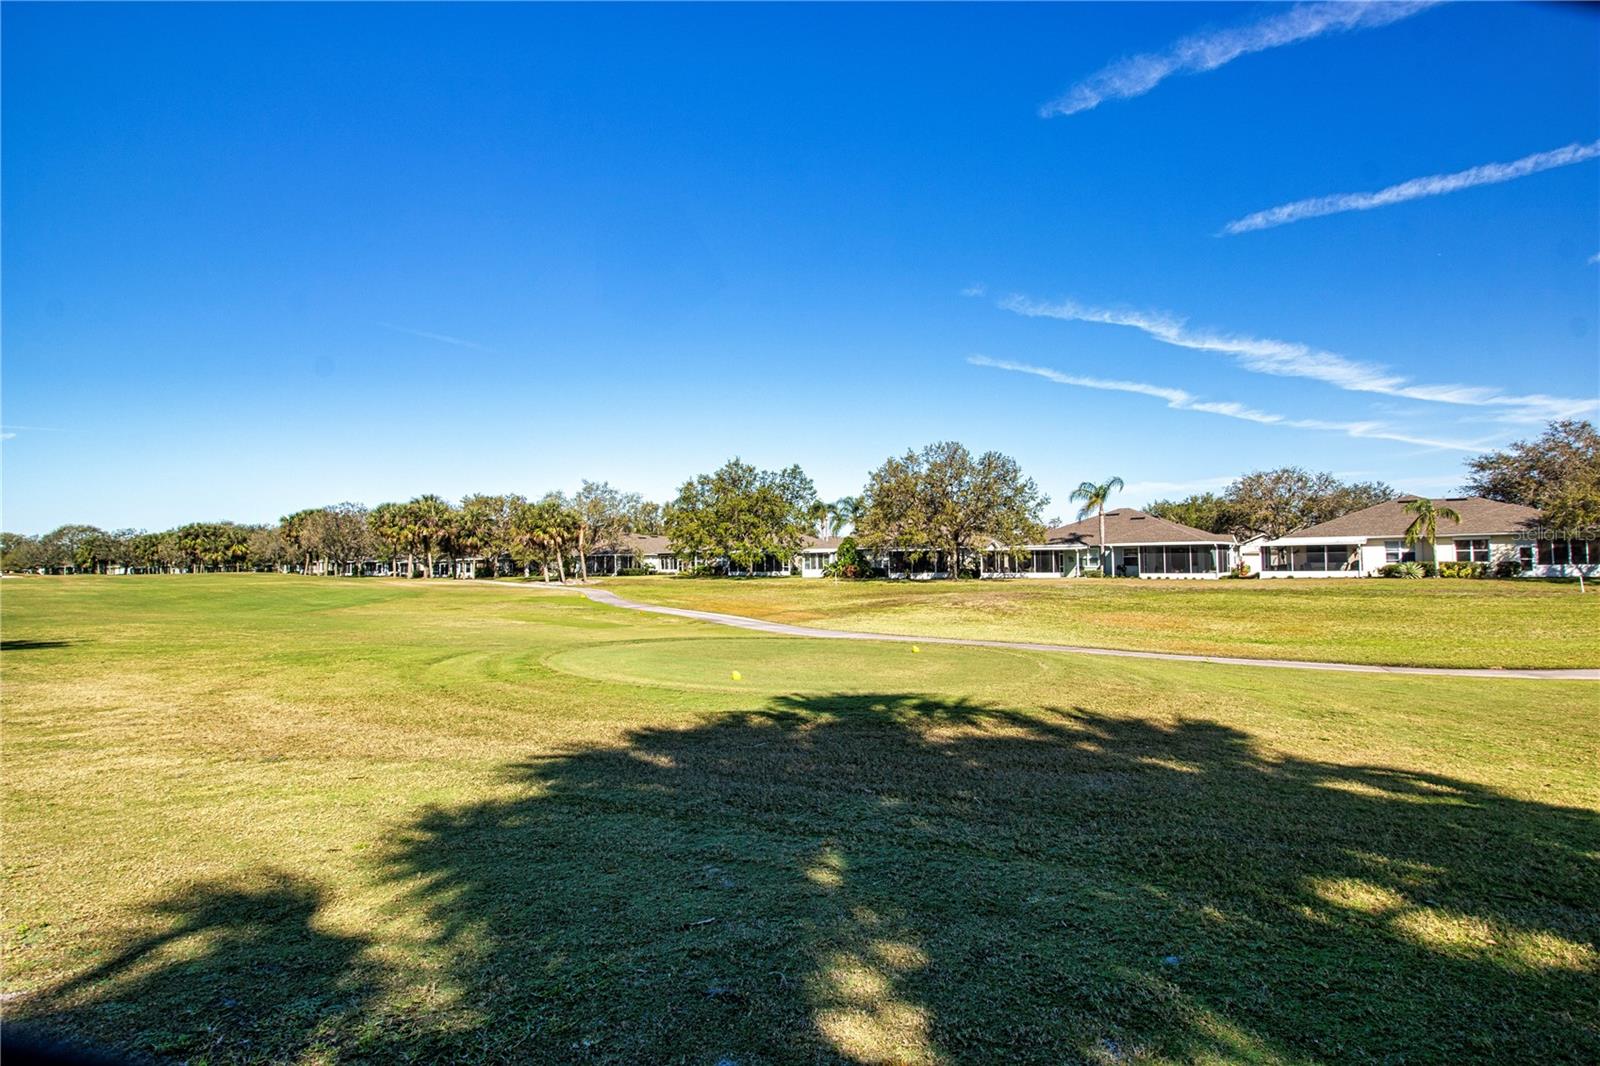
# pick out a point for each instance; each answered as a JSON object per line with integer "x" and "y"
{"x": 1415, "y": 189}
{"x": 1153, "y": 490}
{"x": 1182, "y": 400}
{"x": 1201, "y": 52}
{"x": 977, "y": 289}
{"x": 1595, "y": 258}
{"x": 1293, "y": 359}
{"x": 9, "y": 432}
{"x": 442, "y": 338}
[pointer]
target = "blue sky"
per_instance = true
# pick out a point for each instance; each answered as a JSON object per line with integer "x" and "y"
{"x": 265, "y": 257}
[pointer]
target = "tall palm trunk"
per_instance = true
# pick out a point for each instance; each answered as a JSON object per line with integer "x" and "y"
{"x": 1102, "y": 513}
{"x": 583, "y": 555}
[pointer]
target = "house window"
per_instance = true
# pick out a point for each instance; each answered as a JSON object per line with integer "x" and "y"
{"x": 1562, "y": 552}
{"x": 1553, "y": 553}
{"x": 1472, "y": 551}
{"x": 1397, "y": 551}
{"x": 1525, "y": 555}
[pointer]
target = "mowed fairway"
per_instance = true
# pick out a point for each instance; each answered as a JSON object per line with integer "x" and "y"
{"x": 260, "y": 818}
{"x": 1442, "y": 622}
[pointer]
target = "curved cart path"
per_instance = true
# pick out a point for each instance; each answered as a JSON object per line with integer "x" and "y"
{"x": 737, "y": 621}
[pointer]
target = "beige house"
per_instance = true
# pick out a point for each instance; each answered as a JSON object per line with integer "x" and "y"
{"x": 633, "y": 551}
{"x": 1360, "y": 543}
{"x": 817, "y": 554}
{"x": 655, "y": 553}
{"x": 1137, "y": 544}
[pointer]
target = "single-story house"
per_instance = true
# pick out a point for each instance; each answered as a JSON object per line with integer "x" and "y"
{"x": 639, "y": 551}
{"x": 817, "y": 554}
{"x": 1362, "y": 542}
{"x": 1138, "y": 544}
{"x": 634, "y": 550}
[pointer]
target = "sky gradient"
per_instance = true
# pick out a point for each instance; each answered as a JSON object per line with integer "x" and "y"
{"x": 258, "y": 258}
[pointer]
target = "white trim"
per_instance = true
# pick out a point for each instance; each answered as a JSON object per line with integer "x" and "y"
{"x": 1296, "y": 542}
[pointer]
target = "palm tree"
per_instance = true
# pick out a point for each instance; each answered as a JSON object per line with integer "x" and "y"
{"x": 819, "y": 514}
{"x": 430, "y": 520}
{"x": 1094, "y": 497}
{"x": 549, "y": 527}
{"x": 476, "y": 532}
{"x": 1425, "y": 525}
{"x": 524, "y": 532}
{"x": 843, "y": 512}
{"x": 388, "y": 523}
{"x": 297, "y": 530}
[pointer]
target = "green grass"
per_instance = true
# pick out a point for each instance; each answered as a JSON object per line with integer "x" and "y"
{"x": 284, "y": 819}
{"x": 1442, "y": 622}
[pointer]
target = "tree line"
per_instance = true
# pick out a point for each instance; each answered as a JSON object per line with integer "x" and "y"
{"x": 940, "y": 500}
{"x": 483, "y": 532}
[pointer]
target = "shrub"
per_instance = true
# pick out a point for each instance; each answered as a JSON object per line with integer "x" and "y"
{"x": 635, "y": 571}
{"x": 1507, "y": 568}
{"x": 1428, "y": 569}
{"x": 1405, "y": 570}
{"x": 1241, "y": 570}
{"x": 1463, "y": 569}
{"x": 1093, "y": 572}
{"x": 848, "y": 562}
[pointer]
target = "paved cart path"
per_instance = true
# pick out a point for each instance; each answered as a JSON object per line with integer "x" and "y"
{"x": 737, "y": 621}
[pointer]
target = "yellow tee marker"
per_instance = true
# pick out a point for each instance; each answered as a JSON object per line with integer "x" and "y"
{"x": 915, "y": 650}
{"x": 737, "y": 676}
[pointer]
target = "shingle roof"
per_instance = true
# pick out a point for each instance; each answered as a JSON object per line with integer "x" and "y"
{"x": 640, "y": 544}
{"x": 1390, "y": 519}
{"x": 648, "y": 545}
{"x": 636, "y": 543}
{"x": 1128, "y": 526}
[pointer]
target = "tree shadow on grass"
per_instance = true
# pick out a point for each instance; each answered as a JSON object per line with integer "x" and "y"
{"x": 894, "y": 878}
{"x": 233, "y": 971}
{"x": 890, "y": 878}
